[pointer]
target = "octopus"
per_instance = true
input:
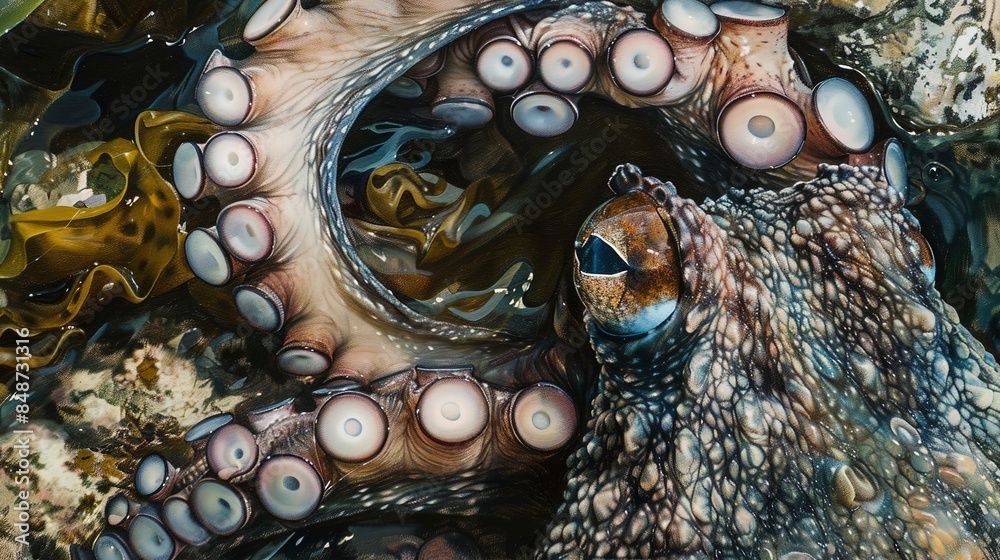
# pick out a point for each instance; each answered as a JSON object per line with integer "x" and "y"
{"x": 760, "y": 415}
{"x": 493, "y": 280}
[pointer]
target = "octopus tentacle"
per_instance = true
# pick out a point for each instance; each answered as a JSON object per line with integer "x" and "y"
{"x": 463, "y": 101}
{"x": 284, "y": 460}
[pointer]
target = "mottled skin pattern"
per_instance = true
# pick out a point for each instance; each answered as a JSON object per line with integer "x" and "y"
{"x": 811, "y": 395}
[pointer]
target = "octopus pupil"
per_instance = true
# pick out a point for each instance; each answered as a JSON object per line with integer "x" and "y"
{"x": 233, "y": 158}
{"x": 223, "y": 504}
{"x": 507, "y": 60}
{"x": 641, "y": 61}
{"x": 598, "y": 257}
{"x": 937, "y": 173}
{"x": 566, "y": 63}
{"x": 238, "y": 454}
{"x": 291, "y": 483}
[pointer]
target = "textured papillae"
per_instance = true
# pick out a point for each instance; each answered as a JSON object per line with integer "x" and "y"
{"x": 808, "y": 395}
{"x": 777, "y": 374}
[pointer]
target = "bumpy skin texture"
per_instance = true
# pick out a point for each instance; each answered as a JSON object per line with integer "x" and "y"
{"x": 812, "y": 394}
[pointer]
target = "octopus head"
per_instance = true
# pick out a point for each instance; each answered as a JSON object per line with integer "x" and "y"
{"x": 755, "y": 367}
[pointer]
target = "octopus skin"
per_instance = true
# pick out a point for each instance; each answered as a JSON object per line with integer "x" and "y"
{"x": 771, "y": 414}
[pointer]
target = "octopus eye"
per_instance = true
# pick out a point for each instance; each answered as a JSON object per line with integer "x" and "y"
{"x": 289, "y": 488}
{"x": 641, "y": 62}
{"x": 503, "y": 65}
{"x": 150, "y": 539}
{"x": 937, "y": 175}
{"x": 762, "y": 130}
{"x": 627, "y": 268}
{"x": 597, "y": 257}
